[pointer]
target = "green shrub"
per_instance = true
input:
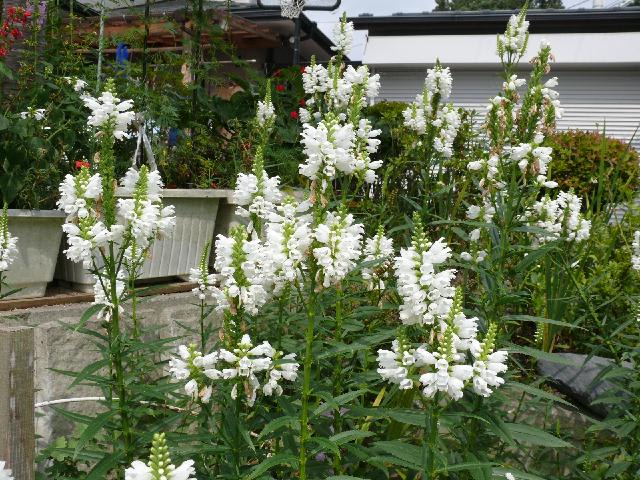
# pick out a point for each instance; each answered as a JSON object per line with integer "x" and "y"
{"x": 387, "y": 116}
{"x": 599, "y": 169}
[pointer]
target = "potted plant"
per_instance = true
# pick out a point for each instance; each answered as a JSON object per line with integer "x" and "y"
{"x": 23, "y": 145}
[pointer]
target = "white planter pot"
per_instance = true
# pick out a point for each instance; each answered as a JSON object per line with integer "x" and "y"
{"x": 196, "y": 214}
{"x": 39, "y": 234}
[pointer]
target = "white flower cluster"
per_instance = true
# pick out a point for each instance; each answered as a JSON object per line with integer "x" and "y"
{"x": 453, "y": 359}
{"x": 140, "y": 219}
{"x": 5, "y": 474}
{"x": 447, "y": 123}
{"x": 377, "y": 249}
{"x": 439, "y": 81}
{"x": 635, "y": 246}
{"x": 513, "y": 83}
{"x": 102, "y": 294}
{"x": 143, "y": 216}
{"x": 243, "y": 279}
{"x": 256, "y": 194}
{"x": 8, "y": 243}
{"x": 340, "y": 240}
{"x": 78, "y": 84}
{"x": 335, "y": 144}
{"x": 489, "y": 169}
{"x": 202, "y": 277}
{"x": 35, "y": 113}
{"x": 551, "y": 98}
{"x": 335, "y": 138}
{"x": 328, "y": 148}
{"x": 79, "y": 196}
{"x": 534, "y": 159}
{"x": 159, "y": 466}
{"x": 239, "y": 365}
{"x": 428, "y": 114}
{"x": 288, "y": 238}
{"x": 109, "y": 115}
{"x": 559, "y": 218}
{"x": 266, "y": 113}
{"x": 343, "y": 37}
{"x": 514, "y": 40}
{"x": 426, "y": 293}
{"x": 483, "y": 213}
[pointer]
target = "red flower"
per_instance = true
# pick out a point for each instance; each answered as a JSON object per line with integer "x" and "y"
{"x": 302, "y": 69}
{"x": 82, "y": 164}
{"x": 27, "y": 14}
{"x": 302, "y": 102}
{"x": 11, "y": 11}
{"x": 16, "y": 33}
{"x": 3, "y": 52}
{"x": 294, "y": 114}
{"x": 280, "y": 88}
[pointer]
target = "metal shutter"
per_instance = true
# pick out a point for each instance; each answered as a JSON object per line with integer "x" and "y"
{"x": 592, "y": 99}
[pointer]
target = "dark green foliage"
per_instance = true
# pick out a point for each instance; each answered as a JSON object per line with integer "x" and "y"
{"x": 468, "y": 5}
{"x": 597, "y": 168}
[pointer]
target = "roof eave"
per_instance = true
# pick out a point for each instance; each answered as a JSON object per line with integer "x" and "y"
{"x": 493, "y": 22}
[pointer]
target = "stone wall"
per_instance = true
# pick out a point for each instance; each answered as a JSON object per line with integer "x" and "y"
{"x": 59, "y": 347}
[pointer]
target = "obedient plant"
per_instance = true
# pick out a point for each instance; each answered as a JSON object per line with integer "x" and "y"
{"x": 8, "y": 246}
{"x": 159, "y": 466}
{"x": 323, "y": 350}
{"x": 112, "y": 237}
{"x": 5, "y": 474}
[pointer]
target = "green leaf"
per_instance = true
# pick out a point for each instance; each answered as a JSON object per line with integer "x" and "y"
{"x": 382, "y": 459}
{"x": 465, "y": 466}
{"x": 99, "y": 472}
{"x": 326, "y": 445}
{"x": 88, "y": 314}
{"x": 535, "y": 436}
{"x": 87, "y": 371}
{"x": 407, "y": 416}
{"x": 529, "y": 318}
{"x": 6, "y": 71}
{"x": 519, "y": 474}
{"x": 499, "y": 427}
{"x": 92, "y": 429}
{"x": 539, "y": 354}
{"x": 344, "y": 477}
{"x": 335, "y": 402}
{"x": 347, "y": 436}
{"x": 289, "y": 422}
{"x": 410, "y": 454}
{"x": 280, "y": 459}
{"x": 536, "y": 392}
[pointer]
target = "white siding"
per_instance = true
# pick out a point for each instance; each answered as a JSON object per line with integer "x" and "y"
{"x": 592, "y": 99}
{"x": 570, "y": 49}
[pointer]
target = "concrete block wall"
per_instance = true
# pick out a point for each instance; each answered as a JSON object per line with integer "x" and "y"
{"x": 58, "y": 346}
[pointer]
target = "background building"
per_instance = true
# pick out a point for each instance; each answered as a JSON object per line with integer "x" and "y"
{"x": 597, "y": 60}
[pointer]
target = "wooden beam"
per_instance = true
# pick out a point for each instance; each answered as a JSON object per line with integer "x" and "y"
{"x": 78, "y": 297}
{"x": 17, "y": 423}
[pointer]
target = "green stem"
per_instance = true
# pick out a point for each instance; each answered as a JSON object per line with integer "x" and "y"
{"x": 306, "y": 386}
{"x": 117, "y": 363}
{"x": 337, "y": 374}
{"x": 432, "y": 415}
{"x": 236, "y": 440}
{"x": 203, "y": 340}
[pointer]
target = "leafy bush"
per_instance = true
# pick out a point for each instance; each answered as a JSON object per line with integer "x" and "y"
{"x": 599, "y": 169}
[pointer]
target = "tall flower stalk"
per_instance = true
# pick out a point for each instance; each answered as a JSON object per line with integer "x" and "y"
{"x": 113, "y": 237}
{"x": 8, "y": 246}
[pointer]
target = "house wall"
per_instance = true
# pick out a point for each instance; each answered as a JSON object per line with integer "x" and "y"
{"x": 592, "y": 99}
